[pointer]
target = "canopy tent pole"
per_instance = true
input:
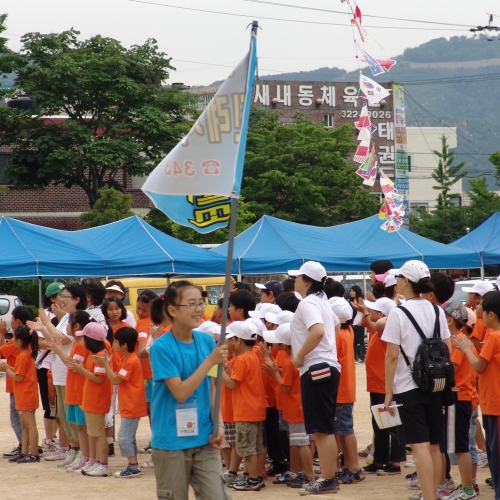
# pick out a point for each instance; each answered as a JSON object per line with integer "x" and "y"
{"x": 482, "y": 265}
{"x": 40, "y": 292}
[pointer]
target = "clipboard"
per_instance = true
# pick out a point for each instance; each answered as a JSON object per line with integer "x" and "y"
{"x": 383, "y": 418}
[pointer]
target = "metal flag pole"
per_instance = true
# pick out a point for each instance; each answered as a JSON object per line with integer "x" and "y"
{"x": 225, "y": 300}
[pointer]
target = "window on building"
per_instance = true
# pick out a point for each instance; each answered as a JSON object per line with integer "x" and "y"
{"x": 329, "y": 121}
{"x": 456, "y": 201}
{"x": 4, "y": 161}
{"x": 415, "y": 207}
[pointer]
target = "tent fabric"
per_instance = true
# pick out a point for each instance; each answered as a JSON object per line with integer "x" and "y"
{"x": 485, "y": 240}
{"x": 272, "y": 245}
{"x": 129, "y": 247}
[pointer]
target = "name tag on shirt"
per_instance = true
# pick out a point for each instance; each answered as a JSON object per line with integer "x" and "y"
{"x": 123, "y": 372}
{"x": 99, "y": 369}
{"x": 186, "y": 419}
{"x": 78, "y": 357}
{"x": 143, "y": 335}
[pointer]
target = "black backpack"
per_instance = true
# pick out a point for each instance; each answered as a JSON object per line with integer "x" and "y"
{"x": 432, "y": 369}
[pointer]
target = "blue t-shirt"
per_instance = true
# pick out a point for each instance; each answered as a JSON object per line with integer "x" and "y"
{"x": 172, "y": 358}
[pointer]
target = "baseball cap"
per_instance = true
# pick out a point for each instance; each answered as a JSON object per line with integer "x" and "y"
{"x": 480, "y": 288}
{"x": 54, "y": 289}
{"x": 273, "y": 286}
{"x": 414, "y": 270}
{"x": 279, "y": 319}
{"x": 257, "y": 325}
{"x": 264, "y": 308}
{"x": 240, "y": 329}
{"x": 92, "y": 330}
{"x": 471, "y": 317}
{"x": 210, "y": 327}
{"x": 279, "y": 336}
{"x": 115, "y": 288}
{"x": 388, "y": 278}
{"x": 312, "y": 269}
{"x": 457, "y": 311}
{"x": 341, "y": 308}
{"x": 383, "y": 305}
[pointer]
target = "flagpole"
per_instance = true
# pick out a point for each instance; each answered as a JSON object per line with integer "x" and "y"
{"x": 225, "y": 307}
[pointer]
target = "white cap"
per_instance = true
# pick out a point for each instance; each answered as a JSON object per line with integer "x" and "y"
{"x": 279, "y": 336}
{"x": 115, "y": 288}
{"x": 265, "y": 308}
{"x": 341, "y": 308}
{"x": 279, "y": 319}
{"x": 240, "y": 329}
{"x": 480, "y": 288}
{"x": 390, "y": 279}
{"x": 257, "y": 325}
{"x": 414, "y": 270}
{"x": 312, "y": 269}
{"x": 497, "y": 282}
{"x": 213, "y": 329}
{"x": 383, "y": 305}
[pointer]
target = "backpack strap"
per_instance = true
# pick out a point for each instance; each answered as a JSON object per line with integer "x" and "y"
{"x": 414, "y": 322}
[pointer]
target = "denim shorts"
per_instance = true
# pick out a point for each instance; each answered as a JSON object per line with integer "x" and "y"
{"x": 148, "y": 385}
{"x": 75, "y": 414}
{"x": 126, "y": 436}
{"x": 343, "y": 423}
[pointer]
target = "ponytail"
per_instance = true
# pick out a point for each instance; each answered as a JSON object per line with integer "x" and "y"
{"x": 28, "y": 338}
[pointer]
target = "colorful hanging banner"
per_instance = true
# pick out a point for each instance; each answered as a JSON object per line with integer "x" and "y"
{"x": 371, "y": 90}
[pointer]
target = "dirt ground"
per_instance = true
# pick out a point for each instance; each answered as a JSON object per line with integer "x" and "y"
{"x": 45, "y": 480}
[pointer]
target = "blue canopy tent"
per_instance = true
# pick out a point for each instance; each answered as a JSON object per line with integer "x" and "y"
{"x": 485, "y": 240}
{"x": 129, "y": 247}
{"x": 274, "y": 246}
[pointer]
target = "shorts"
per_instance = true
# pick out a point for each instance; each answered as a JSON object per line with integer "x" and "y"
{"x": 24, "y": 411}
{"x": 283, "y": 424}
{"x": 95, "y": 424}
{"x": 421, "y": 416}
{"x": 249, "y": 438}
{"x": 148, "y": 386}
{"x": 318, "y": 402}
{"x": 343, "y": 424}
{"x": 75, "y": 414}
{"x": 229, "y": 434}
{"x": 456, "y": 426}
{"x": 298, "y": 435}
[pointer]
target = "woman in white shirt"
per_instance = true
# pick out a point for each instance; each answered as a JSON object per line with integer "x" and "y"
{"x": 314, "y": 354}
{"x": 421, "y": 413}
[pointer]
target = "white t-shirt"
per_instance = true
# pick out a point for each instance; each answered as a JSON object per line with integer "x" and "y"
{"x": 312, "y": 310}
{"x": 131, "y": 319}
{"x": 400, "y": 331}
{"x": 59, "y": 369}
{"x": 41, "y": 353}
{"x": 96, "y": 313}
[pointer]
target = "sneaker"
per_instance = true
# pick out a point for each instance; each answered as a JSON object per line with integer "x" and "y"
{"x": 413, "y": 484}
{"x": 316, "y": 461}
{"x": 476, "y": 488}
{"x": 77, "y": 459}
{"x": 76, "y": 466}
{"x": 146, "y": 449}
{"x": 15, "y": 458}
{"x": 148, "y": 464}
{"x": 28, "y": 459}
{"x": 57, "y": 455}
{"x": 70, "y": 458}
{"x": 482, "y": 459}
{"x": 299, "y": 481}
{"x": 459, "y": 494}
{"x": 277, "y": 468}
{"x": 348, "y": 477}
{"x": 50, "y": 445}
{"x": 317, "y": 486}
{"x": 88, "y": 467}
{"x": 228, "y": 478}
{"x": 389, "y": 470}
{"x": 15, "y": 451}
{"x": 99, "y": 471}
{"x": 412, "y": 475}
{"x": 415, "y": 496}
{"x": 410, "y": 464}
{"x": 450, "y": 484}
{"x": 442, "y": 493}
{"x": 285, "y": 478}
{"x": 365, "y": 452}
{"x": 128, "y": 472}
{"x": 248, "y": 485}
{"x": 240, "y": 480}
{"x": 369, "y": 459}
{"x": 372, "y": 468}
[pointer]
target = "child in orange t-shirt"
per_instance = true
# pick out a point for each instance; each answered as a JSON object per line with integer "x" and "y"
{"x": 343, "y": 426}
{"x": 249, "y": 404}
{"x": 96, "y": 399}
{"x": 487, "y": 365}
{"x": 25, "y": 390}
{"x": 291, "y": 401}
{"x": 131, "y": 395}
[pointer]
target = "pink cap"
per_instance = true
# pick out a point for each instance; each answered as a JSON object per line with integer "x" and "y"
{"x": 93, "y": 330}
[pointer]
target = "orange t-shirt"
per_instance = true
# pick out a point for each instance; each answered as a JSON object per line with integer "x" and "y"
{"x": 480, "y": 332}
{"x": 463, "y": 371}
{"x": 131, "y": 392}
{"x": 473, "y": 383}
{"x": 96, "y": 397}
{"x": 26, "y": 391}
{"x": 249, "y": 400}
{"x": 291, "y": 400}
{"x": 75, "y": 381}
{"x": 265, "y": 378}
{"x": 270, "y": 383}
{"x": 375, "y": 364}
{"x": 226, "y": 400}
{"x": 489, "y": 380}
{"x": 143, "y": 328}
{"x": 279, "y": 360}
{"x": 118, "y": 356}
{"x": 10, "y": 352}
{"x": 345, "y": 354}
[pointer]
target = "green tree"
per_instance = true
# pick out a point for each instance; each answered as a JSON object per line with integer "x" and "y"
{"x": 495, "y": 159}
{"x": 111, "y": 205}
{"x": 119, "y": 117}
{"x": 300, "y": 173}
{"x": 446, "y": 175}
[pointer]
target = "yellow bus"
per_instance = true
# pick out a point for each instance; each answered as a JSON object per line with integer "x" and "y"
{"x": 134, "y": 286}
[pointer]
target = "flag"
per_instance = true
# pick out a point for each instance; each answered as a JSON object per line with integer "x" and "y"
{"x": 393, "y": 209}
{"x": 387, "y": 64}
{"x": 371, "y": 90}
{"x": 373, "y": 64}
{"x": 357, "y": 20}
{"x": 193, "y": 183}
{"x": 364, "y": 124}
{"x": 362, "y": 152}
{"x": 368, "y": 170}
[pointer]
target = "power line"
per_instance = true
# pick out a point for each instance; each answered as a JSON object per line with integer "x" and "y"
{"x": 285, "y": 20}
{"x": 364, "y": 15}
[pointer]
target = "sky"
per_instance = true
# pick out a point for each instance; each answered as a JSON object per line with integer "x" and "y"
{"x": 204, "y": 46}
